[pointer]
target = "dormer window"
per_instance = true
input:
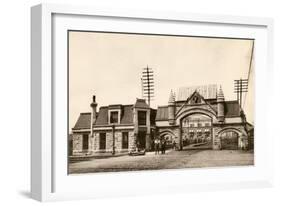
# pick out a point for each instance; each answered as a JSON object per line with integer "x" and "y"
{"x": 114, "y": 117}
{"x": 114, "y": 113}
{"x": 142, "y": 118}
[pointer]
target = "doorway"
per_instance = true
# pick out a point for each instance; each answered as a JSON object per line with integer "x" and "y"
{"x": 229, "y": 140}
{"x": 141, "y": 139}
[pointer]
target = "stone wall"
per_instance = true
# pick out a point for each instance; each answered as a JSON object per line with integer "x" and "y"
{"x": 109, "y": 141}
{"x": 95, "y": 142}
{"x": 77, "y": 144}
{"x": 216, "y": 139}
{"x": 239, "y": 129}
{"x": 132, "y": 140}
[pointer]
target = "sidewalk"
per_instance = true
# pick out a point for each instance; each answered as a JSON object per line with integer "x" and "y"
{"x": 109, "y": 155}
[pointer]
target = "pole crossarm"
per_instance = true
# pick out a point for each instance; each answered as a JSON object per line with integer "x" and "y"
{"x": 147, "y": 81}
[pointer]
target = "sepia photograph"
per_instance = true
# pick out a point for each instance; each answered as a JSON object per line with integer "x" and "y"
{"x": 139, "y": 101}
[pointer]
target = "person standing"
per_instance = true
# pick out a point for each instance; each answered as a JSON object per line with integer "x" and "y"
{"x": 174, "y": 144}
{"x": 156, "y": 145}
{"x": 164, "y": 146}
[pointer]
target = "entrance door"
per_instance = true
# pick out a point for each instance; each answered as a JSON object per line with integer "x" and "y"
{"x": 141, "y": 139}
{"x": 229, "y": 140}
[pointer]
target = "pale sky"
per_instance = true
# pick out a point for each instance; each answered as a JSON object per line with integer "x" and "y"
{"x": 109, "y": 65}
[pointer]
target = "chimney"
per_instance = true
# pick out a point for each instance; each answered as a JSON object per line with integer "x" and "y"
{"x": 93, "y": 113}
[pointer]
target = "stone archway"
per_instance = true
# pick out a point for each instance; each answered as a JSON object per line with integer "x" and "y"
{"x": 167, "y": 134}
{"x": 169, "y": 137}
{"x": 232, "y": 138}
{"x": 196, "y": 128}
{"x": 195, "y": 110}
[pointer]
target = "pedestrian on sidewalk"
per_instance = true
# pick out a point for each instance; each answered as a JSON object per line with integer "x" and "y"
{"x": 163, "y": 146}
{"x": 174, "y": 144}
{"x": 156, "y": 145}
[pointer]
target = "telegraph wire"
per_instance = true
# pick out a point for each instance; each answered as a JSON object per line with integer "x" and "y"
{"x": 249, "y": 72}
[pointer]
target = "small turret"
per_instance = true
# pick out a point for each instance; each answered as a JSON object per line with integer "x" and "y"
{"x": 171, "y": 108}
{"x": 220, "y": 101}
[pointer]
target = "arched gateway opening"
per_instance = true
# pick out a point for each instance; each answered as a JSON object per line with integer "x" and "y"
{"x": 229, "y": 140}
{"x": 169, "y": 137}
{"x": 196, "y": 131}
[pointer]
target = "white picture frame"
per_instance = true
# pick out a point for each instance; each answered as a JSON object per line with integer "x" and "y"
{"x": 49, "y": 179}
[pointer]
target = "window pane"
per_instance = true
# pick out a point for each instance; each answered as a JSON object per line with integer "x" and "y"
{"x": 142, "y": 117}
{"x": 125, "y": 138}
{"x": 102, "y": 140}
{"x": 113, "y": 117}
{"x": 85, "y": 141}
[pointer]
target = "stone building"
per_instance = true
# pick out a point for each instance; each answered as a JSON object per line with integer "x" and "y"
{"x": 115, "y": 128}
{"x": 202, "y": 118}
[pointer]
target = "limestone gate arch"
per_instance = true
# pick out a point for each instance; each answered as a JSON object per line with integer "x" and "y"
{"x": 196, "y": 128}
{"x": 233, "y": 138}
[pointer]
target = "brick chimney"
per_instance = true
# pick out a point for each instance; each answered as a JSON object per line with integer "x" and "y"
{"x": 94, "y": 113}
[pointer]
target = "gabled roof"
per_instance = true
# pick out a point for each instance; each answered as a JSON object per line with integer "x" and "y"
{"x": 232, "y": 109}
{"x": 191, "y": 101}
{"x": 162, "y": 113}
{"x": 140, "y": 103}
{"x": 197, "y": 95}
{"x": 84, "y": 121}
{"x": 126, "y": 115}
{"x": 206, "y": 91}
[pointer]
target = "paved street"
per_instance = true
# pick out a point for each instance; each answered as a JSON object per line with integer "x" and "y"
{"x": 171, "y": 160}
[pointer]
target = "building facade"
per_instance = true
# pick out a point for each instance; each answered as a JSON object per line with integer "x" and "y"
{"x": 195, "y": 121}
{"x": 198, "y": 118}
{"x": 115, "y": 128}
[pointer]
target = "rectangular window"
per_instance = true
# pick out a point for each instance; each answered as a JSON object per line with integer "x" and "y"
{"x": 191, "y": 134}
{"x": 113, "y": 117}
{"x": 199, "y": 125}
{"x": 142, "y": 117}
{"x": 125, "y": 140}
{"x": 85, "y": 141}
{"x": 102, "y": 140}
{"x": 191, "y": 125}
{"x": 207, "y": 124}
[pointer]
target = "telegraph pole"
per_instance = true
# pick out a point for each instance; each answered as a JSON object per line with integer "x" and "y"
{"x": 147, "y": 81}
{"x": 240, "y": 87}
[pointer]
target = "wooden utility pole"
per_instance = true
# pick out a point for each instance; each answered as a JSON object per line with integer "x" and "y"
{"x": 240, "y": 87}
{"x": 147, "y": 81}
